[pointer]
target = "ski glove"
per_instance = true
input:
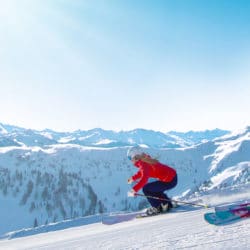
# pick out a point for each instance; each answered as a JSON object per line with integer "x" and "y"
{"x": 131, "y": 193}
{"x": 130, "y": 180}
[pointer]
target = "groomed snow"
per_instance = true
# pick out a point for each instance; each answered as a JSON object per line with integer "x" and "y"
{"x": 186, "y": 230}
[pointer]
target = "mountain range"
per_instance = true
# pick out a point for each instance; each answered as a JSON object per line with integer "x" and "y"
{"x": 17, "y": 136}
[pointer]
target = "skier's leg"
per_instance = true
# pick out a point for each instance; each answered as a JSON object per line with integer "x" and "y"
{"x": 168, "y": 186}
{"x": 150, "y": 189}
{"x": 157, "y": 189}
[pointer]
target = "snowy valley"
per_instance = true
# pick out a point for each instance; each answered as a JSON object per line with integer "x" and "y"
{"x": 49, "y": 177}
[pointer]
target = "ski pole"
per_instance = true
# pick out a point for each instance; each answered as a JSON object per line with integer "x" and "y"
{"x": 162, "y": 199}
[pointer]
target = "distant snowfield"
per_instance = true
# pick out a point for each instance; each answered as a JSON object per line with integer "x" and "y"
{"x": 186, "y": 230}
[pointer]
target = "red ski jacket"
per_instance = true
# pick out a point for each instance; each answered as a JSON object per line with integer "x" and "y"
{"x": 146, "y": 170}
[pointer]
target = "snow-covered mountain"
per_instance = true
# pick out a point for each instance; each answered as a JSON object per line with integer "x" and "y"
{"x": 14, "y": 136}
{"x": 49, "y": 177}
{"x": 199, "y": 136}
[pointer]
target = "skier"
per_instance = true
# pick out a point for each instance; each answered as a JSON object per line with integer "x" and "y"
{"x": 152, "y": 168}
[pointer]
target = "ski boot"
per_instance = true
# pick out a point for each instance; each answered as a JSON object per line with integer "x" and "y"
{"x": 152, "y": 211}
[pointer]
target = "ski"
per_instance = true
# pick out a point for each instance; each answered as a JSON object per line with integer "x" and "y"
{"x": 145, "y": 215}
{"x": 119, "y": 217}
{"x": 122, "y": 217}
{"x": 213, "y": 219}
{"x": 233, "y": 206}
{"x": 228, "y": 213}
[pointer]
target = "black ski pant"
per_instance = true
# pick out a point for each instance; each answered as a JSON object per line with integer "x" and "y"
{"x": 157, "y": 189}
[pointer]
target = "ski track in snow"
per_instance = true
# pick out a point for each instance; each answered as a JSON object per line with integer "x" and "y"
{"x": 187, "y": 230}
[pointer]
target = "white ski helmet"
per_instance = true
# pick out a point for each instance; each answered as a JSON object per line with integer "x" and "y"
{"x": 134, "y": 151}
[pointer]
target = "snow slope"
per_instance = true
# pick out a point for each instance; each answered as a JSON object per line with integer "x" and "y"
{"x": 180, "y": 230}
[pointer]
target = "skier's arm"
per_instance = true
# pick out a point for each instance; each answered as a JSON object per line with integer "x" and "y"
{"x": 143, "y": 181}
{"x": 137, "y": 175}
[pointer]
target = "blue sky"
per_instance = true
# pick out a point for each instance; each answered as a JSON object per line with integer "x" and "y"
{"x": 161, "y": 65}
